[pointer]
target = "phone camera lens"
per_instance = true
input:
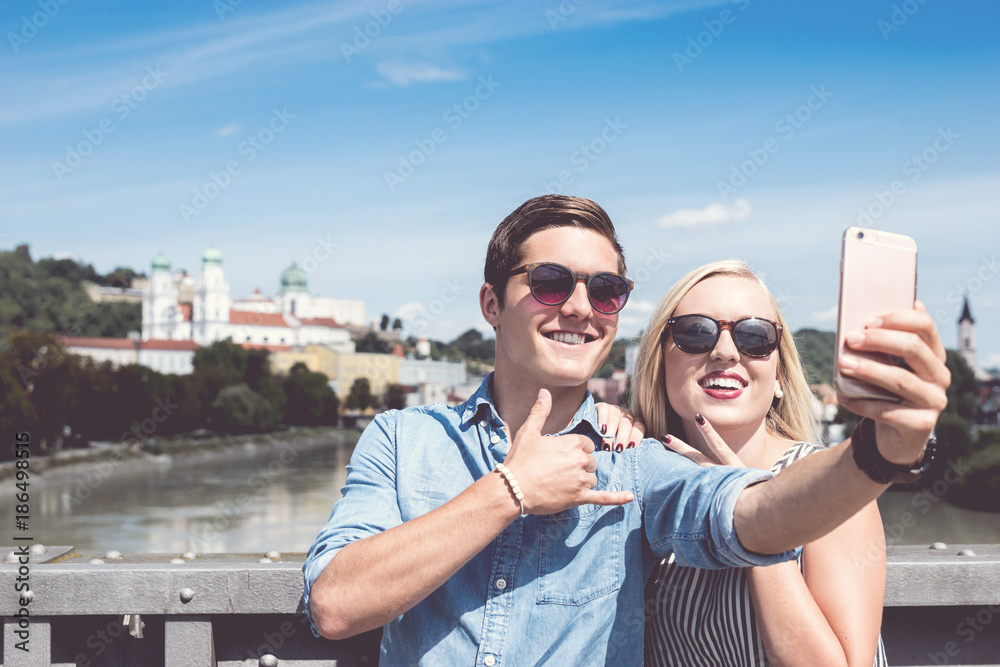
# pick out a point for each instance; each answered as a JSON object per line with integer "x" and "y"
{"x": 861, "y": 235}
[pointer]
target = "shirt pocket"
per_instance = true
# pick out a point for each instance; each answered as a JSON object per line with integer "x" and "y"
{"x": 581, "y": 553}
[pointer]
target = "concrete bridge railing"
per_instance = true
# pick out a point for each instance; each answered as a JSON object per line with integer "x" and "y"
{"x": 245, "y": 610}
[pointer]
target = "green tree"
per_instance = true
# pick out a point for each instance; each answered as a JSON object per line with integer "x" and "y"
{"x": 360, "y": 396}
{"x": 238, "y": 409}
{"x": 397, "y": 324}
{"x": 394, "y": 397}
{"x": 309, "y": 399}
{"x": 48, "y": 296}
{"x": 816, "y": 350}
{"x": 370, "y": 342}
{"x": 384, "y": 324}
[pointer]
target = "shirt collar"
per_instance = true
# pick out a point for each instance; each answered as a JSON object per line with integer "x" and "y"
{"x": 583, "y": 421}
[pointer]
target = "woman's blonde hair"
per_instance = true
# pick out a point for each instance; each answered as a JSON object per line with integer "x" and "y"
{"x": 791, "y": 417}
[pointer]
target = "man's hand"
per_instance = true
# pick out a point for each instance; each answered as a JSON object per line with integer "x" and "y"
{"x": 555, "y": 472}
{"x": 901, "y": 429}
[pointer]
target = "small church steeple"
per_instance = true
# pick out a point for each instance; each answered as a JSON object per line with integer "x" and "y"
{"x": 967, "y": 335}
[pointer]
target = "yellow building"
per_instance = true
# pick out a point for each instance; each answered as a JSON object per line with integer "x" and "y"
{"x": 343, "y": 369}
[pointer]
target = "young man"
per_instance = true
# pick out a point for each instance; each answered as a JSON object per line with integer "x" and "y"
{"x": 474, "y": 538}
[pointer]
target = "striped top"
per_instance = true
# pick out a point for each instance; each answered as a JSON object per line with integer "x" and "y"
{"x": 705, "y": 618}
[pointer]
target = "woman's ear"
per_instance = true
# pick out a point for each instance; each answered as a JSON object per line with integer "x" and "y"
{"x": 489, "y": 304}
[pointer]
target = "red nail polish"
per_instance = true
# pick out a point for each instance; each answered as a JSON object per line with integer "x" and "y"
{"x": 667, "y": 438}
{"x": 619, "y": 448}
{"x": 698, "y": 418}
{"x": 604, "y": 429}
{"x": 631, "y": 443}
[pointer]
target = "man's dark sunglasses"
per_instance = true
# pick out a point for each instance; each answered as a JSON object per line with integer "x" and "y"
{"x": 697, "y": 334}
{"x": 552, "y": 284}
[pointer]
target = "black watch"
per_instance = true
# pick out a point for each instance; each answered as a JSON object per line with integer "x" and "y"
{"x": 872, "y": 463}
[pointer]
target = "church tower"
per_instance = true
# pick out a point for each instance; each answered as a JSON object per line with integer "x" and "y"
{"x": 160, "y": 308}
{"x": 967, "y": 336}
{"x": 211, "y": 301}
{"x": 294, "y": 295}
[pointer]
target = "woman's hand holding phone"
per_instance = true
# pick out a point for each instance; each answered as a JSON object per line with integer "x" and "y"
{"x": 902, "y": 428}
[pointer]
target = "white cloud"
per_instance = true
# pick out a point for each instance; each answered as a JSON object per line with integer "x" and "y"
{"x": 824, "y": 316}
{"x": 227, "y": 130}
{"x": 403, "y": 74}
{"x": 639, "y": 306}
{"x": 410, "y": 310}
{"x": 710, "y": 216}
{"x": 992, "y": 360}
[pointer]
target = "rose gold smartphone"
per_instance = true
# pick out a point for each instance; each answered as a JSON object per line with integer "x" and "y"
{"x": 878, "y": 273}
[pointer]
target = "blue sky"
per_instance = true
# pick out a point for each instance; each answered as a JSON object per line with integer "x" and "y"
{"x": 381, "y": 162}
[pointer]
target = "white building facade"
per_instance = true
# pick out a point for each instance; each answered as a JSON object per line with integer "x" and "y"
{"x": 292, "y": 318}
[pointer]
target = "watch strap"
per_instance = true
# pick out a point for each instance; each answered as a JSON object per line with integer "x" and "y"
{"x": 871, "y": 462}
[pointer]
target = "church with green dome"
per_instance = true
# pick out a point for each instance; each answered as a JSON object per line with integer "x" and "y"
{"x": 176, "y": 306}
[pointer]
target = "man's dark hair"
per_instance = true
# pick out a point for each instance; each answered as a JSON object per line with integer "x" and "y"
{"x": 534, "y": 215}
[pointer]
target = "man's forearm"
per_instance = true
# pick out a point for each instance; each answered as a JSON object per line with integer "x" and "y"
{"x": 374, "y": 580}
{"x": 806, "y": 501}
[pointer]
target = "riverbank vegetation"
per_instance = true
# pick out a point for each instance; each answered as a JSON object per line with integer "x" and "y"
{"x": 64, "y": 400}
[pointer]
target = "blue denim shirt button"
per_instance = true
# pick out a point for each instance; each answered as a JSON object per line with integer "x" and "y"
{"x": 494, "y": 438}
{"x": 482, "y": 424}
{"x": 489, "y": 661}
{"x": 501, "y": 584}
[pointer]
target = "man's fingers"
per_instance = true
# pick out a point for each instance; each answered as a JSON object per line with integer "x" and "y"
{"x": 606, "y": 498}
{"x": 539, "y": 412}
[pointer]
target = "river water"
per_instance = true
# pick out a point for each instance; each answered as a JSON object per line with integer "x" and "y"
{"x": 255, "y": 501}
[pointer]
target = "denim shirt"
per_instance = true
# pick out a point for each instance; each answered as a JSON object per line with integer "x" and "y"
{"x": 565, "y": 588}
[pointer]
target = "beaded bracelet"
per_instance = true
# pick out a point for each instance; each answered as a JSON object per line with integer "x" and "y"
{"x": 514, "y": 488}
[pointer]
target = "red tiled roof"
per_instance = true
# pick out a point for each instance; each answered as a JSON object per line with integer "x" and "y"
{"x": 262, "y": 346}
{"x": 102, "y": 343}
{"x": 127, "y": 343}
{"x": 184, "y": 345}
{"x": 320, "y": 322}
{"x": 256, "y": 319}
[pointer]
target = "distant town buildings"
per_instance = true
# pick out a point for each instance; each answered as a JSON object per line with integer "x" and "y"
{"x": 174, "y": 307}
{"x": 988, "y": 382}
{"x": 182, "y": 313}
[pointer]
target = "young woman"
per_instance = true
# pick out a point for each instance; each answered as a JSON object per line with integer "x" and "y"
{"x": 718, "y": 372}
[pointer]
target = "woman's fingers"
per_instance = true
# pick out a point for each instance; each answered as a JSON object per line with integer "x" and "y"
{"x": 619, "y": 428}
{"x": 686, "y": 450}
{"x": 922, "y": 383}
{"x": 608, "y": 417}
{"x": 715, "y": 446}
